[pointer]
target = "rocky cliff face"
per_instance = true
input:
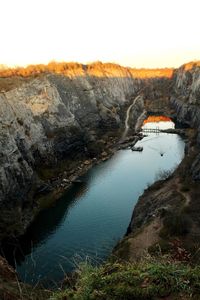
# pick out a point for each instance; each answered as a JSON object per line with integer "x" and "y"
{"x": 12, "y": 289}
{"x": 186, "y": 101}
{"x": 48, "y": 119}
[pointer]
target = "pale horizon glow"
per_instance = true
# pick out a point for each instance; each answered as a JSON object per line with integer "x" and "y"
{"x": 136, "y": 33}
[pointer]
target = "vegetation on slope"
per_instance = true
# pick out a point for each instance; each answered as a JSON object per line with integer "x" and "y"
{"x": 161, "y": 277}
{"x": 97, "y": 69}
{"x": 148, "y": 279}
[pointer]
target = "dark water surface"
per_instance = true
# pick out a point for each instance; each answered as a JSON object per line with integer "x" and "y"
{"x": 92, "y": 216}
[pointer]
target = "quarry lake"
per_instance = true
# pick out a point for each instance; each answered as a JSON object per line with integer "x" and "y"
{"x": 93, "y": 215}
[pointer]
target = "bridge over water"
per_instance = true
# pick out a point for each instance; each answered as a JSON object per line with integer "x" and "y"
{"x": 156, "y": 130}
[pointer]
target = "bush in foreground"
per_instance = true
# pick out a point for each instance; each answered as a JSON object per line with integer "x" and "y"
{"x": 150, "y": 279}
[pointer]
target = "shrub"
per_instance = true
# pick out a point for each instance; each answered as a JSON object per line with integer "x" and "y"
{"x": 148, "y": 279}
{"x": 177, "y": 224}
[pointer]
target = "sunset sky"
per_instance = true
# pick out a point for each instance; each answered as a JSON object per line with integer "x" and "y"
{"x": 137, "y": 33}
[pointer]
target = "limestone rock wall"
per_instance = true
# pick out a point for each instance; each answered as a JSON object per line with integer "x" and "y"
{"x": 186, "y": 101}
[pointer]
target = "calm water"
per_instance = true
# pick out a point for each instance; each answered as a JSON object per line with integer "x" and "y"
{"x": 92, "y": 216}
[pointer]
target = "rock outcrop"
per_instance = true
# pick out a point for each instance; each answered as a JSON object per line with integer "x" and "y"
{"x": 12, "y": 289}
{"x": 186, "y": 102}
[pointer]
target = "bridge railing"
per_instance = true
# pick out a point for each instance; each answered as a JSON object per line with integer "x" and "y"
{"x": 151, "y": 129}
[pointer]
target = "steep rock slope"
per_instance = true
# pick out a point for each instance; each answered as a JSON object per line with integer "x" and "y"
{"x": 186, "y": 102}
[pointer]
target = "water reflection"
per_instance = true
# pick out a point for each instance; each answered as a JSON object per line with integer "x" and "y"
{"x": 45, "y": 224}
{"x": 158, "y": 122}
{"x": 93, "y": 215}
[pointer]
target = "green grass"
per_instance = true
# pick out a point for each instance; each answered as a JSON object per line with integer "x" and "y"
{"x": 150, "y": 279}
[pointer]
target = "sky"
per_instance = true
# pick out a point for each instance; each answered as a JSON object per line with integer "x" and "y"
{"x": 136, "y": 33}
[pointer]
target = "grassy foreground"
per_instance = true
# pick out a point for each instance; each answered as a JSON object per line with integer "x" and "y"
{"x": 149, "y": 279}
